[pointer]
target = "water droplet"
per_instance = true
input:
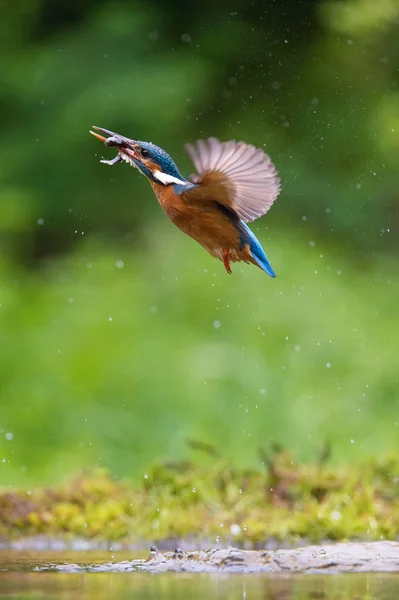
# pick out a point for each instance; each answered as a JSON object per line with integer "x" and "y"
{"x": 235, "y": 529}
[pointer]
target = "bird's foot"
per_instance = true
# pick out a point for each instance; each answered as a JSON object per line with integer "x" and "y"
{"x": 226, "y": 263}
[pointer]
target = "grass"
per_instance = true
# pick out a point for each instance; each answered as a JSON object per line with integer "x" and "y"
{"x": 112, "y": 357}
{"x": 287, "y": 501}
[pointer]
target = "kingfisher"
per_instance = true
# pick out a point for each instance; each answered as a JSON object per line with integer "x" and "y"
{"x": 234, "y": 183}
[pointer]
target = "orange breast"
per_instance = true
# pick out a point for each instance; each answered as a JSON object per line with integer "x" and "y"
{"x": 170, "y": 202}
{"x": 200, "y": 219}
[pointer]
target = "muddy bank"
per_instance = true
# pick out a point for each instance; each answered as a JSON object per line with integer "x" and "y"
{"x": 336, "y": 558}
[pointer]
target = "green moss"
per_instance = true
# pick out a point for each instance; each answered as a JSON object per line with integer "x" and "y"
{"x": 286, "y": 502}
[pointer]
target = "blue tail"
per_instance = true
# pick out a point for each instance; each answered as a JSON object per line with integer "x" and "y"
{"x": 256, "y": 250}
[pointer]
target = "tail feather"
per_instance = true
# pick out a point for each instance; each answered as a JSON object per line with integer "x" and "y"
{"x": 257, "y": 251}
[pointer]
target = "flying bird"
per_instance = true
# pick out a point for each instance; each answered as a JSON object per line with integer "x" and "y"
{"x": 235, "y": 183}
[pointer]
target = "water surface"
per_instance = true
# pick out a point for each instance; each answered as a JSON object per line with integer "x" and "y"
{"x": 20, "y": 579}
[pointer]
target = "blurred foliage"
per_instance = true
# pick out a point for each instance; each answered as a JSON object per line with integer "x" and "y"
{"x": 112, "y": 358}
{"x": 288, "y": 502}
{"x": 119, "y": 336}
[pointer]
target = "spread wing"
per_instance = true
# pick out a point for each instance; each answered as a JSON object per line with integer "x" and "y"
{"x": 246, "y": 172}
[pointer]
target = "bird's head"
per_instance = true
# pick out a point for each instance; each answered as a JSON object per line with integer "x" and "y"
{"x": 148, "y": 158}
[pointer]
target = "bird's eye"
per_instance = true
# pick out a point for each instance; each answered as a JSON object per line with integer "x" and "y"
{"x": 144, "y": 153}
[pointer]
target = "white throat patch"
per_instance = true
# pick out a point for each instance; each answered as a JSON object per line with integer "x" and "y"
{"x": 167, "y": 179}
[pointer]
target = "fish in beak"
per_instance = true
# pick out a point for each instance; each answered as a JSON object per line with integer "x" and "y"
{"x": 126, "y": 148}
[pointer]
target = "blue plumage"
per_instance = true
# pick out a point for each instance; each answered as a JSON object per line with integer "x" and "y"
{"x": 163, "y": 159}
{"x": 248, "y": 237}
{"x": 166, "y": 165}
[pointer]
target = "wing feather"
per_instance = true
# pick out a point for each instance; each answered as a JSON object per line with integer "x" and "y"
{"x": 249, "y": 174}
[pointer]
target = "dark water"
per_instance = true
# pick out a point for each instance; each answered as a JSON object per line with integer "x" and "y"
{"x": 20, "y": 581}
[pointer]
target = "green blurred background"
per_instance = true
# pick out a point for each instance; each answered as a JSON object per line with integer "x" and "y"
{"x": 119, "y": 336}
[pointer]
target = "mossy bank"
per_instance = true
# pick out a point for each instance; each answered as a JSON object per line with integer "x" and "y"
{"x": 285, "y": 501}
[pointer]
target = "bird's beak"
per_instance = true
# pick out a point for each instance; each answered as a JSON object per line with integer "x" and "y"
{"x": 117, "y": 139}
{"x": 125, "y": 146}
{"x": 97, "y": 135}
